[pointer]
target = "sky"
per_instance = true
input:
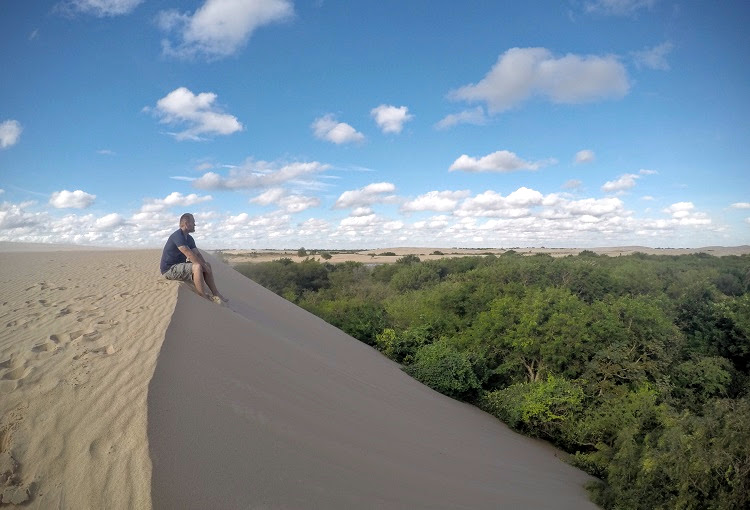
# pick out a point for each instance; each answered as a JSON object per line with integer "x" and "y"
{"x": 353, "y": 124}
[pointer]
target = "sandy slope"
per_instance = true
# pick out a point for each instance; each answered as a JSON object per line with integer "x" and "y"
{"x": 262, "y": 405}
{"x": 79, "y": 335}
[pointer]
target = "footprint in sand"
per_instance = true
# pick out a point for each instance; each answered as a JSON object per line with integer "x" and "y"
{"x": 91, "y": 336}
{"x": 107, "y": 324}
{"x": 15, "y": 369}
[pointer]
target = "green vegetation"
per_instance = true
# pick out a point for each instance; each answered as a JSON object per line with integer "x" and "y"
{"x": 638, "y": 366}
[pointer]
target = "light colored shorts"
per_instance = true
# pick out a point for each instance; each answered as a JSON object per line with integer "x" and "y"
{"x": 182, "y": 272}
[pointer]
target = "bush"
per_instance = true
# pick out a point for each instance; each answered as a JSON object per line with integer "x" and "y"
{"x": 445, "y": 369}
{"x": 544, "y": 408}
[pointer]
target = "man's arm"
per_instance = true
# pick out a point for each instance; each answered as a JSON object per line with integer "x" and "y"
{"x": 195, "y": 257}
{"x": 191, "y": 255}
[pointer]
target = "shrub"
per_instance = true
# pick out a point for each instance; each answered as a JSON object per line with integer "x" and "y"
{"x": 543, "y": 408}
{"x": 445, "y": 369}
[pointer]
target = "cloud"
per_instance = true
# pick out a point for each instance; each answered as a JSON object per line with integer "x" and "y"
{"x": 71, "y": 199}
{"x": 10, "y": 133}
{"x": 105, "y": 152}
{"x": 391, "y": 119}
{"x": 654, "y": 58}
{"x": 644, "y": 171}
{"x": 520, "y": 73}
{"x": 585, "y": 156}
{"x": 260, "y": 174}
{"x": 327, "y": 128}
{"x": 682, "y": 213}
{"x": 289, "y": 203}
{"x": 648, "y": 198}
{"x": 740, "y": 205}
{"x": 219, "y": 28}
{"x": 14, "y": 216}
{"x": 363, "y": 197}
{"x": 98, "y": 8}
{"x": 441, "y": 201}
{"x": 475, "y": 116}
{"x": 623, "y": 183}
{"x": 500, "y": 161}
{"x": 493, "y": 204}
{"x": 109, "y": 221}
{"x": 618, "y": 7}
{"x": 572, "y": 184}
{"x": 172, "y": 200}
{"x": 197, "y": 112}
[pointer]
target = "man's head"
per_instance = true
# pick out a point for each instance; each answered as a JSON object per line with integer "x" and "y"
{"x": 187, "y": 222}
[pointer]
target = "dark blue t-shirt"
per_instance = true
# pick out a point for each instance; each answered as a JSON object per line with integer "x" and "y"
{"x": 172, "y": 254}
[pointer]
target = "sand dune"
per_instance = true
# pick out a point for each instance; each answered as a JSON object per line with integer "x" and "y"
{"x": 79, "y": 337}
{"x": 262, "y": 405}
{"x": 119, "y": 389}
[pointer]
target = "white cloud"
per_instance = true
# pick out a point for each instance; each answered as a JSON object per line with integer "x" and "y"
{"x": 361, "y": 211}
{"x": 500, "y": 161}
{"x": 109, "y": 221}
{"x": 260, "y": 174}
{"x": 172, "y": 200}
{"x": 15, "y": 216}
{"x": 197, "y": 112}
{"x": 654, "y": 58}
{"x": 585, "y": 156}
{"x": 270, "y": 196}
{"x": 363, "y": 197}
{"x": 740, "y": 205}
{"x": 623, "y": 183}
{"x": 327, "y": 128}
{"x": 493, "y": 204}
{"x": 644, "y": 171}
{"x": 647, "y": 198}
{"x": 572, "y": 184}
{"x": 219, "y": 28}
{"x": 618, "y": 7}
{"x": 289, "y": 203}
{"x": 98, "y": 8}
{"x": 105, "y": 152}
{"x": 441, "y": 201}
{"x": 71, "y": 199}
{"x": 684, "y": 214}
{"x": 523, "y": 72}
{"x": 391, "y": 119}
{"x": 475, "y": 116}
{"x": 10, "y": 133}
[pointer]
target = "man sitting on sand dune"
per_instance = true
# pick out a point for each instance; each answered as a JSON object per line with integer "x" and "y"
{"x": 181, "y": 260}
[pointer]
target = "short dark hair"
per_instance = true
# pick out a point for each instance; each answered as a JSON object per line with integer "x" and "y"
{"x": 185, "y": 217}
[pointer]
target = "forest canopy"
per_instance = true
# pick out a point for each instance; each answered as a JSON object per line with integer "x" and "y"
{"x": 638, "y": 366}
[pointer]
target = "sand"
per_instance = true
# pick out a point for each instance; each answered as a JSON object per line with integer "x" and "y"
{"x": 122, "y": 390}
{"x": 80, "y": 333}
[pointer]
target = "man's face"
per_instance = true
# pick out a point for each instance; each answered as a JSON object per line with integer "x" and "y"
{"x": 190, "y": 224}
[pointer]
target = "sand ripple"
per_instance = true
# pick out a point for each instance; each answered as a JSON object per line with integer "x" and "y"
{"x": 79, "y": 336}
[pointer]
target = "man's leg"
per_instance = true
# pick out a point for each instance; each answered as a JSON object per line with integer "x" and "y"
{"x": 198, "y": 280}
{"x": 209, "y": 279}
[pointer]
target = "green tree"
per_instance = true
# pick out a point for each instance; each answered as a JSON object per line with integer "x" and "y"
{"x": 545, "y": 331}
{"x": 445, "y": 369}
{"x": 546, "y": 408}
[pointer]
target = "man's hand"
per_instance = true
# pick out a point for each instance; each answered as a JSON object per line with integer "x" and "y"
{"x": 190, "y": 255}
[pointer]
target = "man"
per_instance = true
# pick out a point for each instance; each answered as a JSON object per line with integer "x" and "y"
{"x": 181, "y": 260}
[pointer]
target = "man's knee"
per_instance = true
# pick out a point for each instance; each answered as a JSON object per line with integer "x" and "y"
{"x": 197, "y": 268}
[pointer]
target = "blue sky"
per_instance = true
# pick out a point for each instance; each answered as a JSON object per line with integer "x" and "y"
{"x": 356, "y": 124}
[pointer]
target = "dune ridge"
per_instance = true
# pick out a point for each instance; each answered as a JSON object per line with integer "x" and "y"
{"x": 80, "y": 332}
{"x": 260, "y": 404}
